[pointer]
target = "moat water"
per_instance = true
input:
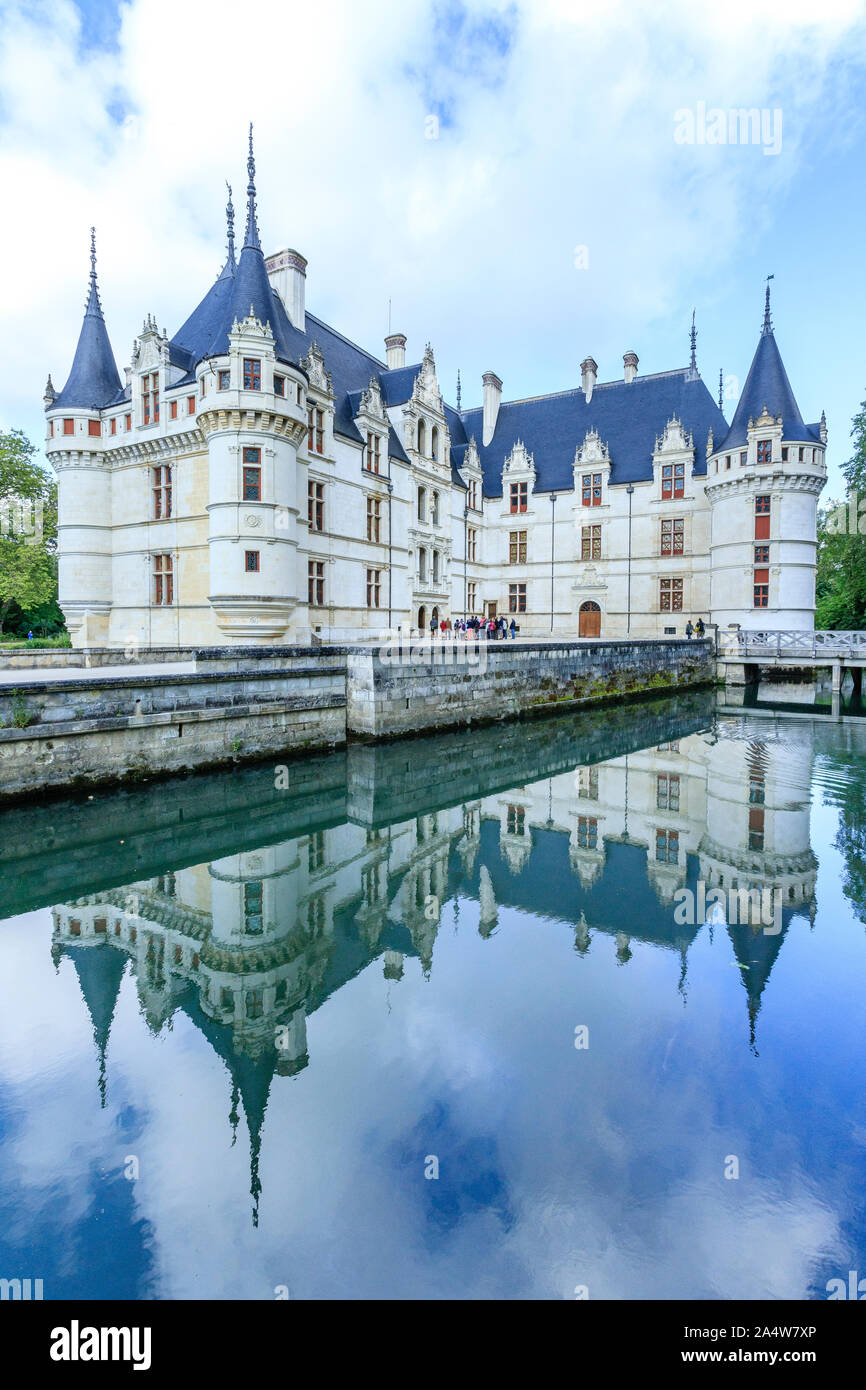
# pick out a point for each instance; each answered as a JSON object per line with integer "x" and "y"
{"x": 471, "y": 1016}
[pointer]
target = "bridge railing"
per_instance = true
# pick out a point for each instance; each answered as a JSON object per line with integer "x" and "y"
{"x": 787, "y": 642}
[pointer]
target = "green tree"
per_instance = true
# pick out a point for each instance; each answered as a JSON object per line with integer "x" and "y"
{"x": 28, "y": 528}
{"x": 840, "y": 587}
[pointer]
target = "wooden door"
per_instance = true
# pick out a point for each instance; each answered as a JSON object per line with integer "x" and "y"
{"x": 589, "y": 620}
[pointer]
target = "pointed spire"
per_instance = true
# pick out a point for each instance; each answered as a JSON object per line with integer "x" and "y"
{"x": 721, "y": 386}
{"x": 230, "y": 225}
{"x": 252, "y": 235}
{"x": 458, "y": 390}
{"x": 94, "y": 380}
{"x": 693, "y": 338}
{"x": 767, "y": 326}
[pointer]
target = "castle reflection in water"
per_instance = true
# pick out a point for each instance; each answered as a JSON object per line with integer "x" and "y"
{"x": 250, "y": 943}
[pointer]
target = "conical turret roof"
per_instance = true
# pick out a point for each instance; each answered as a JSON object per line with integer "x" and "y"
{"x": 94, "y": 380}
{"x": 767, "y": 387}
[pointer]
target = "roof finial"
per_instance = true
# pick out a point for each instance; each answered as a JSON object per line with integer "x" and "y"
{"x": 252, "y": 236}
{"x": 768, "y": 324}
{"x": 693, "y": 338}
{"x": 93, "y": 304}
{"x": 458, "y": 390}
{"x": 230, "y": 223}
{"x": 721, "y": 386}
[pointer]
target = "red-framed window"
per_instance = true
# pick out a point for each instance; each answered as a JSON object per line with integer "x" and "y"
{"x": 590, "y": 490}
{"x": 316, "y": 506}
{"x": 94, "y": 429}
{"x": 252, "y": 374}
{"x": 150, "y": 397}
{"x": 190, "y": 405}
{"x": 671, "y": 595}
{"x": 373, "y": 588}
{"x": 252, "y": 475}
{"x": 762, "y": 554}
{"x": 127, "y": 422}
{"x": 587, "y": 832}
{"x": 50, "y": 429}
{"x": 68, "y": 426}
{"x": 113, "y": 424}
{"x": 590, "y": 543}
{"x": 672, "y": 533}
{"x": 519, "y": 496}
{"x": 668, "y": 791}
{"x": 667, "y": 846}
{"x": 316, "y": 583}
{"x": 515, "y": 820}
{"x": 251, "y": 561}
{"x": 224, "y": 380}
{"x": 162, "y": 492}
{"x": 372, "y": 459}
{"x": 762, "y": 588}
{"x": 172, "y": 410}
{"x": 517, "y": 548}
{"x": 765, "y": 450}
{"x": 517, "y": 598}
{"x": 762, "y": 517}
{"x": 315, "y": 430}
{"x": 163, "y": 581}
{"x": 673, "y": 479}
{"x": 374, "y": 520}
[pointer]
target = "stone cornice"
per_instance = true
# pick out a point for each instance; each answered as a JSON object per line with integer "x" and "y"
{"x": 746, "y": 482}
{"x": 266, "y": 421}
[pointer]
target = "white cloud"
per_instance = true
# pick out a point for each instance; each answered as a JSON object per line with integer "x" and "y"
{"x": 564, "y": 139}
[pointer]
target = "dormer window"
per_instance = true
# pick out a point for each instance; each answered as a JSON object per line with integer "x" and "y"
{"x": 372, "y": 459}
{"x": 279, "y": 385}
{"x": 591, "y": 490}
{"x": 252, "y": 374}
{"x": 150, "y": 397}
{"x": 765, "y": 450}
{"x": 315, "y": 430}
{"x": 224, "y": 380}
{"x": 519, "y": 493}
{"x": 673, "y": 480}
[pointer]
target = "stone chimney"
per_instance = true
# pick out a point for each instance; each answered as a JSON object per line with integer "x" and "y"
{"x": 629, "y": 362}
{"x": 287, "y": 272}
{"x": 395, "y": 350}
{"x": 588, "y": 377}
{"x": 492, "y": 399}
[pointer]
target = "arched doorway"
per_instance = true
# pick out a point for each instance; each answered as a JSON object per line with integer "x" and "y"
{"x": 589, "y": 620}
{"x": 434, "y": 616}
{"x": 422, "y": 618}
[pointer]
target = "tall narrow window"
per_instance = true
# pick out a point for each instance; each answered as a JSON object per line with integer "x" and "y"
{"x": 316, "y": 583}
{"x": 316, "y": 506}
{"x": 422, "y": 504}
{"x": 587, "y": 832}
{"x": 279, "y": 385}
{"x": 94, "y": 428}
{"x": 374, "y": 520}
{"x": 190, "y": 406}
{"x": 161, "y": 492}
{"x": 253, "y": 922}
{"x": 471, "y": 542}
{"x": 517, "y": 598}
{"x": 150, "y": 397}
{"x": 590, "y": 543}
{"x": 472, "y": 496}
{"x": 372, "y": 459}
{"x": 673, "y": 479}
{"x": 127, "y": 420}
{"x": 519, "y": 495}
{"x": 252, "y": 475}
{"x": 434, "y": 508}
{"x": 69, "y": 426}
{"x": 315, "y": 430}
{"x": 668, "y": 791}
{"x": 470, "y": 597}
{"x": 517, "y": 548}
{"x": 672, "y": 536}
{"x": 515, "y": 820}
{"x": 224, "y": 380}
{"x": 590, "y": 490}
{"x": 163, "y": 581}
{"x": 373, "y": 588}
{"x": 172, "y": 412}
{"x": 251, "y": 561}
{"x": 252, "y": 374}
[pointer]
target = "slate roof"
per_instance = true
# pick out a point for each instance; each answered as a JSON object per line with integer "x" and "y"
{"x": 628, "y": 417}
{"x": 94, "y": 379}
{"x": 767, "y": 385}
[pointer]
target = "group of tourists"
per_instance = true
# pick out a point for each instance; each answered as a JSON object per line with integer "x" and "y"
{"x": 697, "y": 631}
{"x": 471, "y": 629}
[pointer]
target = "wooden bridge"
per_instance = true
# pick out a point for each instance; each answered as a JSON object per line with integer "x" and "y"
{"x": 743, "y": 652}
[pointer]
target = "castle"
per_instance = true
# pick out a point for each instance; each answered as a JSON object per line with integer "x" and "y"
{"x": 259, "y": 479}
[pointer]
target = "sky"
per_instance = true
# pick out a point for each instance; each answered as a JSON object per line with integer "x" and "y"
{"x": 524, "y": 183}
